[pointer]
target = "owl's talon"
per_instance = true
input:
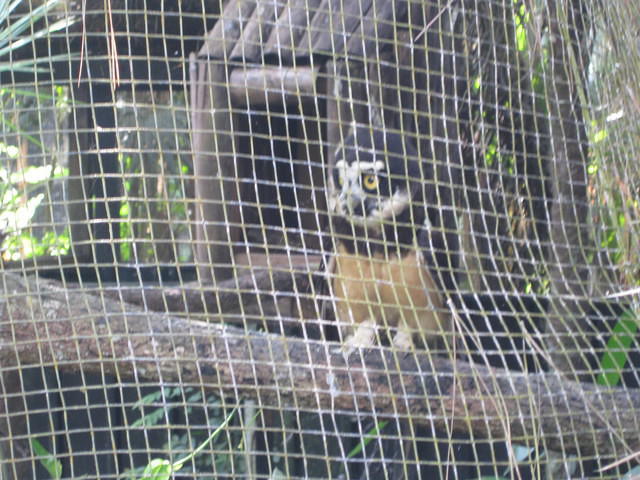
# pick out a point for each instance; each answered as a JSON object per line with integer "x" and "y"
{"x": 345, "y": 350}
{"x": 403, "y": 340}
{"x": 363, "y": 337}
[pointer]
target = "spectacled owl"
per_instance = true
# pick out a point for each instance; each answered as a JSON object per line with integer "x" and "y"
{"x": 379, "y": 274}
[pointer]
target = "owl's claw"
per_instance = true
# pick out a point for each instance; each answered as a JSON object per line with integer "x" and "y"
{"x": 403, "y": 341}
{"x": 363, "y": 337}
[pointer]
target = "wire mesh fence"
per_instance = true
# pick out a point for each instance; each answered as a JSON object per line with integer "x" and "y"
{"x": 274, "y": 239}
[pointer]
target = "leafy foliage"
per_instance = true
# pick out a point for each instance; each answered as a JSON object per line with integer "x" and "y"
{"x": 156, "y": 409}
{"x": 48, "y": 460}
{"x": 18, "y": 205}
{"x": 23, "y": 186}
{"x": 15, "y": 35}
{"x": 163, "y": 469}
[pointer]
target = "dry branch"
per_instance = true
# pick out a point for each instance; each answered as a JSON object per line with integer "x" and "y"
{"x": 42, "y": 323}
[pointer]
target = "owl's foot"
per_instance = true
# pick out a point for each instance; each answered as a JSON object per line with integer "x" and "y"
{"x": 403, "y": 340}
{"x": 363, "y": 337}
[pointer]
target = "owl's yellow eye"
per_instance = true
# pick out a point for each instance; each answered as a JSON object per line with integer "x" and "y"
{"x": 370, "y": 182}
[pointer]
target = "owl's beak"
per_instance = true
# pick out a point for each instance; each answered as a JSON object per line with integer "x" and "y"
{"x": 352, "y": 204}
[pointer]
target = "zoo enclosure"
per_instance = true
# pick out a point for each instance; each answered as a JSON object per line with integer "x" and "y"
{"x": 217, "y": 212}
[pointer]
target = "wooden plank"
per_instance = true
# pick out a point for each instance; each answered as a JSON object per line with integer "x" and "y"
{"x": 223, "y": 37}
{"x": 272, "y": 85}
{"x": 217, "y": 213}
{"x": 256, "y": 31}
{"x": 291, "y": 26}
{"x": 310, "y": 178}
{"x": 334, "y": 23}
{"x": 377, "y": 29}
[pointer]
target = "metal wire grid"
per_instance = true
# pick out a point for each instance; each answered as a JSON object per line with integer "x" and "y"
{"x": 163, "y": 219}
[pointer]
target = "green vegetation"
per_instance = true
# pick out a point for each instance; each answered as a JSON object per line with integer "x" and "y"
{"x": 156, "y": 408}
{"x": 618, "y": 347}
{"x": 17, "y": 33}
{"x": 19, "y": 201}
{"x": 24, "y": 187}
{"x": 48, "y": 460}
{"x": 163, "y": 469}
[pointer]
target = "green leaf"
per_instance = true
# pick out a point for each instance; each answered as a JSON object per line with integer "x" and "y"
{"x": 150, "y": 419}
{"x": 59, "y": 25}
{"x": 48, "y": 461}
{"x": 157, "y": 469}
{"x": 368, "y": 438}
{"x": 600, "y": 135}
{"x": 477, "y": 83}
{"x": 10, "y": 150}
{"x": 617, "y": 354}
{"x": 521, "y": 38}
{"x": 180, "y": 463}
{"x": 37, "y": 175}
{"x": 162, "y": 469}
{"x": 15, "y": 35}
{"x": 24, "y": 22}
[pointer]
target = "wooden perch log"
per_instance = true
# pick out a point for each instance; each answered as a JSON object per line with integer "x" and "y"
{"x": 272, "y": 85}
{"x": 264, "y": 293}
{"x": 42, "y": 323}
{"x": 274, "y": 298}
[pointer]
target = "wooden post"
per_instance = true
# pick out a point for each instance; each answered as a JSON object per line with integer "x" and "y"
{"x": 334, "y": 136}
{"x": 78, "y": 206}
{"x": 216, "y": 190}
{"x": 97, "y": 199}
{"x": 310, "y": 177}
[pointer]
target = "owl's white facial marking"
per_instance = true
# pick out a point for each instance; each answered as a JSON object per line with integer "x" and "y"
{"x": 361, "y": 206}
{"x": 391, "y": 207}
{"x": 352, "y": 173}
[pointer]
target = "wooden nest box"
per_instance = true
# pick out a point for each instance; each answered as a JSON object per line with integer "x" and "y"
{"x": 274, "y": 90}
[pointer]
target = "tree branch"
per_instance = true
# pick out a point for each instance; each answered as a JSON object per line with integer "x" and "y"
{"x": 42, "y": 323}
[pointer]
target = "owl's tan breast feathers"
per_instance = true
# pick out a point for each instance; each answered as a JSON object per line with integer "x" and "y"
{"x": 392, "y": 291}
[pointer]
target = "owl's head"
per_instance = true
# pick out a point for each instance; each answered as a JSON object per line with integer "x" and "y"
{"x": 376, "y": 177}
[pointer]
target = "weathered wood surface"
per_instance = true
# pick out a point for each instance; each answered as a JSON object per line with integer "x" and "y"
{"x": 288, "y": 30}
{"x": 42, "y": 323}
{"x": 267, "y": 296}
{"x": 272, "y": 86}
{"x": 570, "y": 269}
{"x": 214, "y": 165}
{"x": 256, "y": 31}
{"x": 223, "y": 37}
{"x": 283, "y": 32}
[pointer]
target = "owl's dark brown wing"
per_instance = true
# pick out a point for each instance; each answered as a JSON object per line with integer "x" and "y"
{"x": 319, "y": 286}
{"x": 441, "y": 253}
